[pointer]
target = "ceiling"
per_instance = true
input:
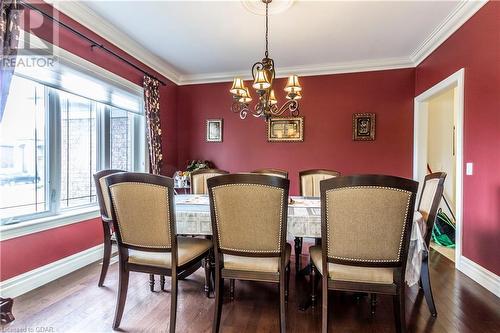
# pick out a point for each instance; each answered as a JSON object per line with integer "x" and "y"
{"x": 214, "y": 40}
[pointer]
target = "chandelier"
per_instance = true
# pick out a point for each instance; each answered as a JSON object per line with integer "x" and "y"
{"x": 263, "y": 74}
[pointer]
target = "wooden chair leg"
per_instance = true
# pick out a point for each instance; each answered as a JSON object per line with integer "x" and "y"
{"x": 231, "y": 289}
{"x": 122, "y": 295}
{"x": 324, "y": 300}
{"x": 298, "y": 252}
{"x": 162, "y": 282}
{"x": 282, "y": 303}
{"x": 426, "y": 286}
{"x": 151, "y": 282}
{"x": 107, "y": 253}
{"x": 399, "y": 310}
{"x": 206, "y": 266}
{"x": 373, "y": 303}
{"x": 219, "y": 294}
{"x": 287, "y": 281}
{"x": 313, "y": 285}
{"x": 6, "y": 315}
{"x": 173, "y": 301}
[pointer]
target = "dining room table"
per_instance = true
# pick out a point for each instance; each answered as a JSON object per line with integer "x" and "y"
{"x": 192, "y": 213}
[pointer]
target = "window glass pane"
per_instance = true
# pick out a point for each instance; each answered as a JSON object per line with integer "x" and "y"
{"x": 78, "y": 150}
{"x": 126, "y": 138}
{"x": 23, "y": 151}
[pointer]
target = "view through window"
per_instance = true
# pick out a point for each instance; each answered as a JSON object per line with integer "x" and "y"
{"x": 51, "y": 144}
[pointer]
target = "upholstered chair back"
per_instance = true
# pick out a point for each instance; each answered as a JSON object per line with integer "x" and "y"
{"x": 249, "y": 213}
{"x": 430, "y": 197}
{"x": 102, "y": 191}
{"x": 309, "y": 181}
{"x": 142, "y": 208}
{"x": 367, "y": 219}
{"x": 199, "y": 179}
{"x": 272, "y": 172}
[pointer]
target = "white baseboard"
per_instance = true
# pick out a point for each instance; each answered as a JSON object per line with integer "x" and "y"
{"x": 33, "y": 279}
{"x": 481, "y": 275}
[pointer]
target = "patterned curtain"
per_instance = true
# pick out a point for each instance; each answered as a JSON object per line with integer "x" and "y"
{"x": 152, "y": 104}
{"x": 9, "y": 38}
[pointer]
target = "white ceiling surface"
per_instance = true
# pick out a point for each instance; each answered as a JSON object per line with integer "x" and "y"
{"x": 222, "y": 38}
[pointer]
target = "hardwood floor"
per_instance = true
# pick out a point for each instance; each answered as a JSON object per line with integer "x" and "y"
{"x": 74, "y": 303}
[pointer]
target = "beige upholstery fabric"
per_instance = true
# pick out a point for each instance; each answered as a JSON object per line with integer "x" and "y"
{"x": 199, "y": 182}
{"x": 366, "y": 223}
{"x": 188, "y": 248}
{"x": 351, "y": 273}
{"x": 310, "y": 184}
{"x": 428, "y": 194}
{"x": 105, "y": 196}
{"x": 142, "y": 214}
{"x": 249, "y": 217}
{"x": 254, "y": 264}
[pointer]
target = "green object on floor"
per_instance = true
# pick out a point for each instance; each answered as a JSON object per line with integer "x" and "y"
{"x": 443, "y": 232}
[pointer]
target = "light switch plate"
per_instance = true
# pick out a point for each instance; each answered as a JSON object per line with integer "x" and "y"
{"x": 469, "y": 169}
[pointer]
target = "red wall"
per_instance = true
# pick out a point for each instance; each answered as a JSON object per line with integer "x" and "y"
{"x": 327, "y": 106}
{"x": 476, "y": 47}
{"x": 25, "y": 253}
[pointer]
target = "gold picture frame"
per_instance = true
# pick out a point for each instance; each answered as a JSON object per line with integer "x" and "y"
{"x": 363, "y": 126}
{"x": 290, "y": 129}
{"x": 214, "y": 130}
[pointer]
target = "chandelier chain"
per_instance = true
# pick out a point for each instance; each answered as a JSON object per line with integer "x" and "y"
{"x": 267, "y": 29}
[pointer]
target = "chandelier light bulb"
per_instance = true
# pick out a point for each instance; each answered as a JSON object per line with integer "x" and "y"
{"x": 261, "y": 80}
{"x": 238, "y": 87}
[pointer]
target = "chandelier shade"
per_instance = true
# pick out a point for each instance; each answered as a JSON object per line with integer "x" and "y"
{"x": 263, "y": 73}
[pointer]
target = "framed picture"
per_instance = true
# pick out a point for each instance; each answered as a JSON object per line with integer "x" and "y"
{"x": 363, "y": 126}
{"x": 214, "y": 130}
{"x": 285, "y": 129}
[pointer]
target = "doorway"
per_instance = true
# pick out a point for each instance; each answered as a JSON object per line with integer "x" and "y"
{"x": 438, "y": 146}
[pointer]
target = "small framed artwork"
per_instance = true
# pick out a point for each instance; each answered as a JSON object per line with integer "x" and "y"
{"x": 214, "y": 130}
{"x": 285, "y": 129}
{"x": 363, "y": 126}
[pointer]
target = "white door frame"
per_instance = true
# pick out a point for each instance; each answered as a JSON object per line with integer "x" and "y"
{"x": 420, "y": 134}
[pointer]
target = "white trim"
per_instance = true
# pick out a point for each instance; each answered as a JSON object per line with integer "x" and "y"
{"x": 481, "y": 275}
{"x": 45, "y": 223}
{"x": 306, "y": 70}
{"x": 40, "y": 276}
{"x": 90, "y": 19}
{"x": 420, "y": 143}
{"x": 463, "y": 12}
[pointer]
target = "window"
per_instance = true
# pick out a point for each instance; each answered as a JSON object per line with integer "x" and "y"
{"x": 55, "y": 134}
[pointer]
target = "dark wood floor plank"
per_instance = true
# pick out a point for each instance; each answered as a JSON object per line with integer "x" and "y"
{"x": 74, "y": 303}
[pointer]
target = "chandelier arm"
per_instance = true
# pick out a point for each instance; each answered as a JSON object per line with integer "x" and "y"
{"x": 291, "y": 105}
{"x": 257, "y": 67}
{"x": 241, "y": 108}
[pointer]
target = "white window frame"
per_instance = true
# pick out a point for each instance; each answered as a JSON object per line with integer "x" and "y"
{"x": 54, "y": 218}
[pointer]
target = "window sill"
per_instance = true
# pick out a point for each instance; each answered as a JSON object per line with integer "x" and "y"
{"x": 50, "y": 222}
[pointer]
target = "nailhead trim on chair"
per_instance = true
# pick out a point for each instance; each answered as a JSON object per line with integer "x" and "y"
{"x": 368, "y": 187}
{"x": 168, "y": 212}
{"x": 281, "y": 216}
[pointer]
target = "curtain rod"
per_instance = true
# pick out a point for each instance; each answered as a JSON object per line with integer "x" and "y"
{"x": 90, "y": 40}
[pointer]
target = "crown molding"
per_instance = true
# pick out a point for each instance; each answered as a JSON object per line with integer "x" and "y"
{"x": 85, "y": 16}
{"x": 305, "y": 70}
{"x": 91, "y": 20}
{"x": 462, "y": 12}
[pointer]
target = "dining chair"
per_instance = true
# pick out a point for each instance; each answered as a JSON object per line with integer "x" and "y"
{"x": 199, "y": 178}
{"x": 107, "y": 222}
{"x": 366, "y": 223}
{"x": 272, "y": 172}
{"x": 309, "y": 187}
{"x": 428, "y": 206}
{"x": 249, "y": 223}
{"x": 144, "y": 222}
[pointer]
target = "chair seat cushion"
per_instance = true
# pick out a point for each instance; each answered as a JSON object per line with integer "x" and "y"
{"x": 188, "y": 248}
{"x": 254, "y": 264}
{"x": 351, "y": 273}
